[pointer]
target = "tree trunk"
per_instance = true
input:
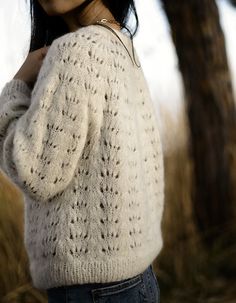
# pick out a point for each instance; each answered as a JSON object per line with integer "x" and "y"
{"x": 200, "y": 47}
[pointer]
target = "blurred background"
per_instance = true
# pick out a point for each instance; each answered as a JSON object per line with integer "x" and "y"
{"x": 187, "y": 50}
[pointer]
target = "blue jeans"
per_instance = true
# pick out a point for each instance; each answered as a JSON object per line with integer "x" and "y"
{"x": 138, "y": 289}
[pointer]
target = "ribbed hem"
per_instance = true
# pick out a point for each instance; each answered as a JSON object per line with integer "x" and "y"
{"x": 56, "y": 274}
{"x": 16, "y": 85}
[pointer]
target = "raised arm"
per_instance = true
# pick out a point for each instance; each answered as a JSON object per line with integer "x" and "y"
{"x": 43, "y": 132}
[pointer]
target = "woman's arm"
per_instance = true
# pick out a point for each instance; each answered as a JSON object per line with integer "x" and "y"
{"x": 43, "y": 132}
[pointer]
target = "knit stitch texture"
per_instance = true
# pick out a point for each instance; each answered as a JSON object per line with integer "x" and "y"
{"x": 84, "y": 148}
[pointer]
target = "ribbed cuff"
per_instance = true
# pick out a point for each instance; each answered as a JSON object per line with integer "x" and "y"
{"x": 16, "y": 85}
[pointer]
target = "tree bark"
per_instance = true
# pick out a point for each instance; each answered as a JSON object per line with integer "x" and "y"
{"x": 201, "y": 51}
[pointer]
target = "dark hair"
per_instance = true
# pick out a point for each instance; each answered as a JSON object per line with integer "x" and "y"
{"x": 45, "y": 28}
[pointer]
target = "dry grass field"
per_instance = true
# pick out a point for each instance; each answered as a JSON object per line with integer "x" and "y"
{"x": 187, "y": 273}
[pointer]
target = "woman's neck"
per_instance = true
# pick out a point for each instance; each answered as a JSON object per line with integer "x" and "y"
{"x": 95, "y": 11}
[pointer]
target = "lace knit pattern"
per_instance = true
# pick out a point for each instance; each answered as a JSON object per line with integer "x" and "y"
{"x": 84, "y": 148}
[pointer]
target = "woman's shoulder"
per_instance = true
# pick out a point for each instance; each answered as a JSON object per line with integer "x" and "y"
{"x": 93, "y": 36}
{"x": 81, "y": 43}
{"x": 92, "y": 45}
{"x": 88, "y": 35}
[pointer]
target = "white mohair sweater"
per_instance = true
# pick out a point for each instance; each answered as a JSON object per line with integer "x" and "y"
{"x": 84, "y": 148}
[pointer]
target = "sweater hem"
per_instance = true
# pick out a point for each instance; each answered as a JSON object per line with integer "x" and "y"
{"x": 79, "y": 272}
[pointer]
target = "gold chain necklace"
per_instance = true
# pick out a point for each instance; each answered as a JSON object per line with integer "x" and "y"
{"x": 109, "y": 21}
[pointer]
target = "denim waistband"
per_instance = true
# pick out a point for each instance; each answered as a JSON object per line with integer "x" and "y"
{"x": 92, "y": 285}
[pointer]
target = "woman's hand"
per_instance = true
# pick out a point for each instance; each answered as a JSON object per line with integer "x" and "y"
{"x": 30, "y": 68}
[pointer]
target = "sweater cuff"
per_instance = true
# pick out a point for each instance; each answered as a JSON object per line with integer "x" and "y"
{"x": 16, "y": 85}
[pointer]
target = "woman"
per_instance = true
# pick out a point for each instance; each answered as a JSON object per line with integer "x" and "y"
{"x": 79, "y": 137}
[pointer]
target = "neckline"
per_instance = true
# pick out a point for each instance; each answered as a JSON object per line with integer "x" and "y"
{"x": 128, "y": 43}
{"x": 119, "y": 32}
{"x": 124, "y": 39}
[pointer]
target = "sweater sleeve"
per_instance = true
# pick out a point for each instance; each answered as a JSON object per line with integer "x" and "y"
{"x": 43, "y": 131}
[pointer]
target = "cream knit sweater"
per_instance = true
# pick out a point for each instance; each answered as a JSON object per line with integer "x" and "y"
{"x": 84, "y": 148}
